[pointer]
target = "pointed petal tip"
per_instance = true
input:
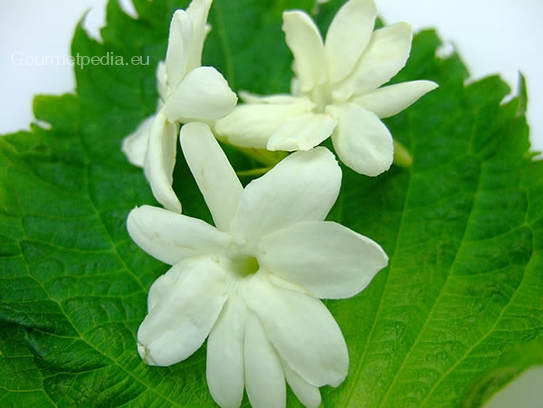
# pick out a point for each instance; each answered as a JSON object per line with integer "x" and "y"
{"x": 327, "y": 259}
{"x": 424, "y": 85}
{"x": 432, "y": 85}
{"x": 392, "y": 99}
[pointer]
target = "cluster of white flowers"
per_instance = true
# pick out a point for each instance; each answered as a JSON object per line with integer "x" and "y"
{"x": 252, "y": 283}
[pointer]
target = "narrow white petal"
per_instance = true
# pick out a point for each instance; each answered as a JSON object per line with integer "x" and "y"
{"x": 362, "y": 141}
{"x": 135, "y": 144}
{"x": 302, "y": 133}
{"x": 225, "y": 370}
{"x": 160, "y": 161}
{"x": 302, "y": 330}
{"x": 171, "y": 237}
{"x": 308, "y": 394}
{"x": 184, "y": 314}
{"x": 264, "y": 379}
{"x": 198, "y": 11}
{"x": 385, "y": 55}
{"x": 390, "y": 100}
{"x": 253, "y": 124}
{"x": 302, "y": 187}
{"x": 179, "y": 42}
{"x": 214, "y": 175}
{"x": 348, "y": 36}
{"x": 202, "y": 95}
{"x": 326, "y": 258}
{"x": 305, "y": 43}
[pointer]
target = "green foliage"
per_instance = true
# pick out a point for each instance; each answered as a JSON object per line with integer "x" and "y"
{"x": 445, "y": 324}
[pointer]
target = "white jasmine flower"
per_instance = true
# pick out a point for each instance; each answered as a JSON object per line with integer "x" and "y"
{"x": 336, "y": 91}
{"x": 187, "y": 92}
{"x": 252, "y": 283}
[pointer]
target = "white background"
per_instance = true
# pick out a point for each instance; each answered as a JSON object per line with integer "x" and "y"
{"x": 493, "y": 36}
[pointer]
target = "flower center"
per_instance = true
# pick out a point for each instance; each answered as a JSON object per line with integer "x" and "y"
{"x": 245, "y": 265}
{"x": 321, "y": 97}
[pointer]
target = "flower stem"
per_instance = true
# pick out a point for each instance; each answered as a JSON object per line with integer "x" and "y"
{"x": 265, "y": 157}
{"x": 253, "y": 172}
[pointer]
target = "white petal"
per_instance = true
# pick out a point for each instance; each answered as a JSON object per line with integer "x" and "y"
{"x": 264, "y": 379}
{"x": 135, "y": 144}
{"x": 179, "y": 42}
{"x": 202, "y": 95}
{"x": 362, "y": 141}
{"x": 182, "y": 317}
{"x": 326, "y": 258}
{"x": 390, "y": 100}
{"x": 302, "y": 187}
{"x": 302, "y": 133}
{"x": 295, "y": 87}
{"x": 305, "y": 43}
{"x": 348, "y": 36}
{"x": 161, "y": 287}
{"x": 225, "y": 369}
{"x": 171, "y": 237}
{"x": 301, "y": 329}
{"x": 214, "y": 175}
{"x": 198, "y": 11}
{"x": 308, "y": 394}
{"x": 384, "y": 57}
{"x": 160, "y": 161}
{"x": 162, "y": 85}
{"x": 253, "y": 124}
{"x": 277, "y": 99}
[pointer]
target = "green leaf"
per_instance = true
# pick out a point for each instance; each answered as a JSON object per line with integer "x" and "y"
{"x": 443, "y": 325}
{"x": 511, "y": 364}
{"x": 463, "y": 228}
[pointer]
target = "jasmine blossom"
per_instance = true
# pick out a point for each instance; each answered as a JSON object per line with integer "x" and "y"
{"x": 336, "y": 91}
{"x": 251, "y": 284}
{"x": 187, "y": 92}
